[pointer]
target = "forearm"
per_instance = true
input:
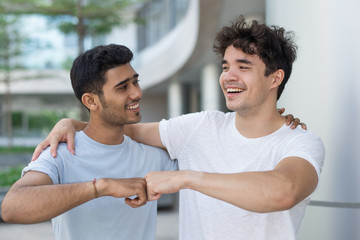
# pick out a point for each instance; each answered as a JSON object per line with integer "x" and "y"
{"x": 32, "y": 204}
{"x": 42, "y": 200}
{"x": 253, "y": 191}
{"x": 291, "y": 181}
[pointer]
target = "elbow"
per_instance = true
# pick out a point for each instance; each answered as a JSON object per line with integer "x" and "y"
{"x": 10, "y": 215}
{"x": 6, "y": 218}
{"x": 286, "y": 195}
{"x": 9, "y": 212}
{"x": 280, "y": 203}
{"x": 287, "y": 202}
{"x": 287, "y": 198}
{"x": 6, "y": 213}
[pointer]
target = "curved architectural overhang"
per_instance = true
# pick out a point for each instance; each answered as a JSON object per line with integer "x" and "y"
{"x": 160, "y": 61}
{"x": 29, "y": 82}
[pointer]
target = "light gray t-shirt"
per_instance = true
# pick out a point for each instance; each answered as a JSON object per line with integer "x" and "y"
{"x": 209, "y": 142}
{"x": 104, "y": 217}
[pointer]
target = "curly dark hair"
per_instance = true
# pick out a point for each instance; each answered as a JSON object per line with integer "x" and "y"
{"x": 272, "y": 44}
{"x": 88, "y": 70}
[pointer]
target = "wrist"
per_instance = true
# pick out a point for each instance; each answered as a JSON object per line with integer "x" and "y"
{"x": 96, "y": 194}
{"x": 101, "y": 187}
{"x": 189, "y": 179}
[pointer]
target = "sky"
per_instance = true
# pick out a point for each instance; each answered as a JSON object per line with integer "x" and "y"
{"x": 51, "y": 49}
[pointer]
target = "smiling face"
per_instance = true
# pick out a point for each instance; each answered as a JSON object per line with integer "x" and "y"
{"x": 243, "y": 81}
{"x": 121, "y": 96}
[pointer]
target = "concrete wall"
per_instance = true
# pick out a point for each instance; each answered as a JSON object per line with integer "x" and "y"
{"x": 323, "y": 92}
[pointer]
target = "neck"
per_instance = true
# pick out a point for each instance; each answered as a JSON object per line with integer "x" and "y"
{"x": 104, "y": 134}
{"x": 258, "y": 124}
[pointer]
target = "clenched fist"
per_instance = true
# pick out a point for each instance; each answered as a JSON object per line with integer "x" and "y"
{"x": 164, "y": 182}
{"x": 124, "y": 188}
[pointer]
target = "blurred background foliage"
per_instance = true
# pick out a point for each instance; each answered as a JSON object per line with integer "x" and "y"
{"x": 85, "y": 19}
{"x": 9, "y": 176}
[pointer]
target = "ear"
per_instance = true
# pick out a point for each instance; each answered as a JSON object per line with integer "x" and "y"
{"x": 91, "y": 101}
{"x": 277, "y": 78}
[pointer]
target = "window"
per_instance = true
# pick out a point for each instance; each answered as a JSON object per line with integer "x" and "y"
{"x": 159, "y": 16}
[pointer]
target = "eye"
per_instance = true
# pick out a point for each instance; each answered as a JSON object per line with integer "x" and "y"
{"x": 136, "y": 82}
{"x": 122, "y": 87}
{"x": 225, "y": 68}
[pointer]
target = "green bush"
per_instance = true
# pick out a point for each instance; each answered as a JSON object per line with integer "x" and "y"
{"x": 45, "y": 119}
{"x": 16, "y": 119}
{"x": 16, "y": 150}
{"x": 10, "y": 176}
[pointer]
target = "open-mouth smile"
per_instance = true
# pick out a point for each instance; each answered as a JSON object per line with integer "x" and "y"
{"x": 234, "y": 90}
{"x": 133, "y": 106}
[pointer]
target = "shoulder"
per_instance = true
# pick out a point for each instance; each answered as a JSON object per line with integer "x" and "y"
{"x": 45, "y": 163}
{"x": 305, "y": 144}
{"x": 215, "y": 114}
{"x": 301, "y": 136}
{"x": 198, "y": 117}
{"x": 300, "y": 139}
{"x": 217, "y": 119}
{"x": 45, "y": 155}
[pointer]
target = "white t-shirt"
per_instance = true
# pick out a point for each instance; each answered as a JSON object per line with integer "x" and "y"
{"x": 104, "y": 217}
{"x": 210, "y": 142}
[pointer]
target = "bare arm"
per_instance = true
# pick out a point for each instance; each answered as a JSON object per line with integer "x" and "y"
{"x": 147, "y": 133}
{"x": 33, "y": 198}
{"x": 290, "y": 182}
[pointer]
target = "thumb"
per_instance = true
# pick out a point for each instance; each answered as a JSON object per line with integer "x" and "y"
{"x": 154, "y": 196}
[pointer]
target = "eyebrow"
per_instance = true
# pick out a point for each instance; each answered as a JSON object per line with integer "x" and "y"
{"x": 245, "y": 61}
{"x": 126, "y": 80}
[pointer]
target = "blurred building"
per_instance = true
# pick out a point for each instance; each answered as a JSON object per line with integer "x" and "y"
{"x": 179, "y": 74}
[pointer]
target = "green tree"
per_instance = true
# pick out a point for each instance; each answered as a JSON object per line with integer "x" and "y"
{"x": 83, "y": 17}
{"x": 10, "y": 48}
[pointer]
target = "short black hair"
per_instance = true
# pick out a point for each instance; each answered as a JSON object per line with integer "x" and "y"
{"x": 88, "y": 70}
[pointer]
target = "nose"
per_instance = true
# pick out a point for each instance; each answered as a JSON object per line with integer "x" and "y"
{"x": 135, "y": 92}
{"x": 231, "y": 74}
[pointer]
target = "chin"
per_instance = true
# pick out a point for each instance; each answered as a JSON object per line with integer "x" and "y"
{"x": 137, "y": 119}
{"x": 230, "y": 107}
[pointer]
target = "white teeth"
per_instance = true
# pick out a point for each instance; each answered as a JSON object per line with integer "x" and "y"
{"x": 234, "y": 90}
{"x": 133, "y": 106}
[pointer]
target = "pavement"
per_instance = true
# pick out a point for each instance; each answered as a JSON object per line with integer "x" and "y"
{"x": 167, "y": 228}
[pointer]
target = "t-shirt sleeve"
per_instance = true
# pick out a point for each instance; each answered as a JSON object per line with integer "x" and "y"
{"x": 308, "y": 147}
{"x": 45, "y": 164}
{"x": 175, "y": 132}
{"x": 167, "y": 163}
